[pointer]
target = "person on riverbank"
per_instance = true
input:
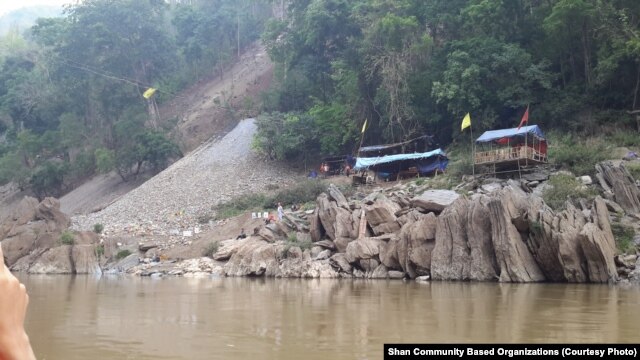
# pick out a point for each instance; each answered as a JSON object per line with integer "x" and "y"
{"x": 242, "y": 234}
{"x": 280, "y": 212}
{"x": 14, "y": 342}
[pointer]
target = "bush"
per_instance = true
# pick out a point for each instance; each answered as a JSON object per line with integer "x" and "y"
{"x": 563, "y": 188}
{"x": 12, "y": 169}
{"x": 286, "y": 136}
{"x": 84, "y": 164}
{"x": 578, "y": 155}
{"x": 97, "y": 228}
{"x": 105, "y": 160}
{"x": 302, "y": 192}
{"x": 156, "y": 149}
{"x": 292, "y": 241}
{"x": 624, "y": 237}
{"x": 634, "y": 170}
{"x": 625, "y": 138}
{"x": 205, "y": 218}
{"x": 240, "y": 204}
{"x": 462, "y": 166}
{"x": 99, "y": 251}
{"x": 123, "y": 254}
{"x": 67, "y": 238}
{"x": 48, "y": 180}
{"x": 310, "y": 205}
{"x": 211, "y": 249}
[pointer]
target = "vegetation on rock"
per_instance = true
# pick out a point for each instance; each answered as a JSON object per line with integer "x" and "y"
{"x": 67, "y": 238}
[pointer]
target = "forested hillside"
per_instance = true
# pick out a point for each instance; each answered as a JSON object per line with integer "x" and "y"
{"x": 71, "y": 87}
{"x": 413, "y": 67}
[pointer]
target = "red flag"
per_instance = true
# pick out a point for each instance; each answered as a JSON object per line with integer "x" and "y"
{"x": 525, "y": 118}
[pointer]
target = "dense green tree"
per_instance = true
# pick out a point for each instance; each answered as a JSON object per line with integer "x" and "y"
{"x": 417, "y": 67}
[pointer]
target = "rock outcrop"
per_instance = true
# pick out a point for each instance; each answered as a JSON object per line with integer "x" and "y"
{"x": 32, "y": 226}
{"x": 255, "y": 257}
{"x": 505, "y": 234}
{"x": 616, "y": 179}
{"x": 31, "y": 241}
{"x": 500, "y": 232}
{"x": 435, "y": 200}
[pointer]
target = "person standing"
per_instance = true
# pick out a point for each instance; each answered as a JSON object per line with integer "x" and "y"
{"x": 280, "y": 212}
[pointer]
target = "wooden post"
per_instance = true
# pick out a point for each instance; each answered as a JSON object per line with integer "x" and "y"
{"x": 526, "y": 149}
{"x": 473, "y": 152}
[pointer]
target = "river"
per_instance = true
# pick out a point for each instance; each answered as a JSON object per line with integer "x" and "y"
{"x": 84, "y": 317}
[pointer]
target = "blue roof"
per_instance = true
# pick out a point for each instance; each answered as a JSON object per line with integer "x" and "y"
{"x": 499, "y": 134}
{"x": 365, "y": 163}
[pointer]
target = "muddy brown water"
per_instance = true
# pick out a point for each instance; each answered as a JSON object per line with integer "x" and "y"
{"x": 84, "y": 317}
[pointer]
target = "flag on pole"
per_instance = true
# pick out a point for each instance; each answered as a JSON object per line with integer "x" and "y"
{"x": 525, "y": 118}
{"x": 466, "y": 122}
{"x": 364, "y": 126}
{"x": 149, "y": 93}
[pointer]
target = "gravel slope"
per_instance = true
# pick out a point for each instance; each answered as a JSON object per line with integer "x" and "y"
{"x": 174, "y": 199}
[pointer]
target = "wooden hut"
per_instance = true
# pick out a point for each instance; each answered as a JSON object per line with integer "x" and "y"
{"x": 510, "y": 149}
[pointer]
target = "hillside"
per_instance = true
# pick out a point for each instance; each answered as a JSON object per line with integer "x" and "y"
{"x": 202, "y": 120}
{"x": 175, "y": 199}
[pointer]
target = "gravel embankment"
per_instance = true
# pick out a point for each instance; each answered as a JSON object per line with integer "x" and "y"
{"x": 173, "y": 200}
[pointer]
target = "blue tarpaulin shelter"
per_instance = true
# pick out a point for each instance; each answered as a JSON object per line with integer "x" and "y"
{"x": 425, "y": 162}
{"x": 494, "y": 135}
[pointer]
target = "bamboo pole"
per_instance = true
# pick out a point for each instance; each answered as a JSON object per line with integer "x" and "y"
{"x": 473, "y": 152}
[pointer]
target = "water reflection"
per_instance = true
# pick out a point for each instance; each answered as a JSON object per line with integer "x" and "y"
{"x": 139, "y": 318}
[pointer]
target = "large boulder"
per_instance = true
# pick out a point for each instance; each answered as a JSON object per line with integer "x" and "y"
{"x": 435, "y": 200}
{"x": 32, "y": 225}
{"x": 381, "y": 211}
{"x": 598, "y": 244}
{"x": 49, "y": 210}
{"x": 483, "y": 264}
{"x": 344, "y": 226}
{"x": 315, "y": 227}
{"x": 389, "y": 254}
{"x": 571, "y": 246}
{"x": 621, "y": 183}
{"x": 363, "y": 249}
{"x": 414, "y": 246}
{"x": 336, "y": 195}
{"x": 54, "y": 261}
{"x": 85, "y": 260}
{"x": 515, "y": 261}
{"x": 381, "y": 215}
{"x": 451, "y": 256}
{"x": 255, "y": 257}
{"x": 327, "y": 212}
{"x": 340, "y": 263}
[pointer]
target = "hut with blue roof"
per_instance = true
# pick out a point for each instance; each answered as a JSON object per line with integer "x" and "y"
{"x": 511, "y": 149}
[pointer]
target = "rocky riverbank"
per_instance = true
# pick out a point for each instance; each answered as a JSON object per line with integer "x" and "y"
{"x": 491, "y": 230}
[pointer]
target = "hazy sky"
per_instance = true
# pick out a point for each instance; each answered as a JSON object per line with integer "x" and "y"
{"x": 8, "y": 5}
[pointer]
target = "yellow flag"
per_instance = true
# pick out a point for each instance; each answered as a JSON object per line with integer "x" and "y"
{"x": 149, "y": 93}
{"x": 466, "y": 122}
{"x": 364, "y": 126}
